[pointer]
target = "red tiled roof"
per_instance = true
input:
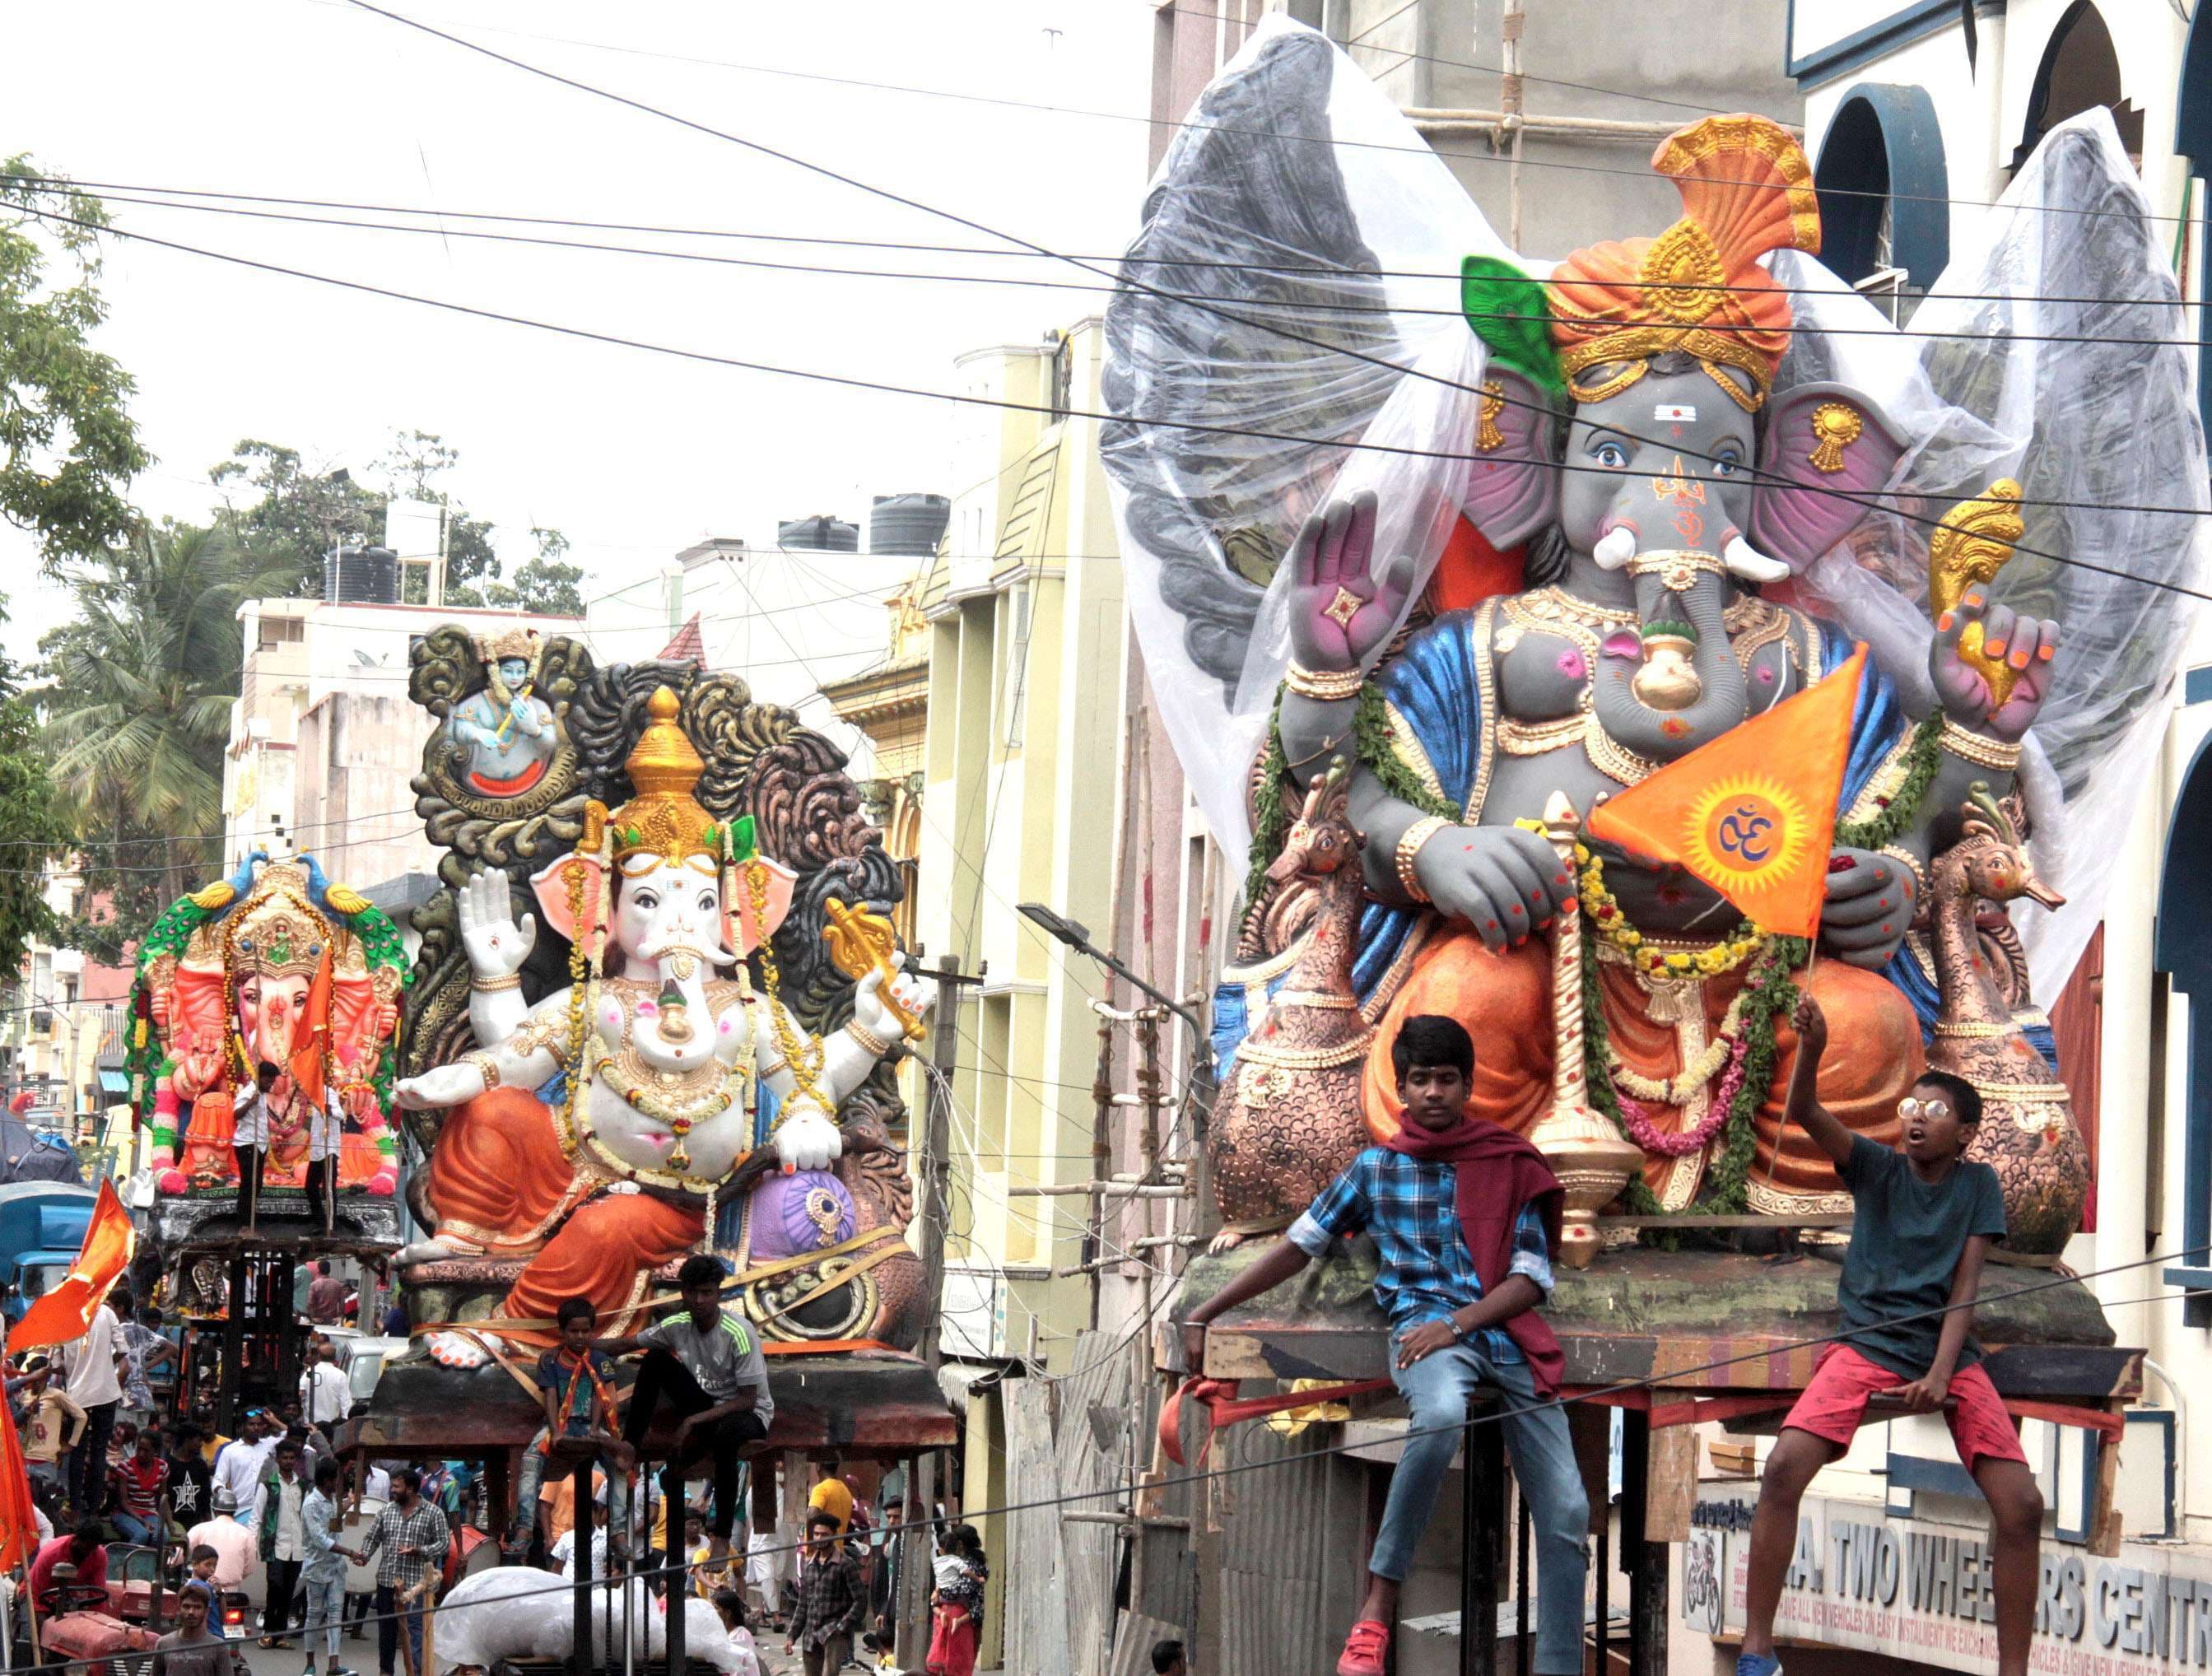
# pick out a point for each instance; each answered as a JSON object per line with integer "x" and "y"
{"x": 689, "y": 645}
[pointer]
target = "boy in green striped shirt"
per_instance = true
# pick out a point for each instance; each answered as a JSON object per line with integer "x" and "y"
{"x": 707, "y": 1365}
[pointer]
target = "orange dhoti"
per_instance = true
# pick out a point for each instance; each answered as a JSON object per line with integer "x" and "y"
{"x": 1504, "y": 1000}
{"x": 500, "y": 1179}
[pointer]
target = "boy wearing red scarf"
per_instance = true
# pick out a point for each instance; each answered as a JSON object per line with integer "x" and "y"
{"x": 1465, "y": 1215}
{"x": 573, "y": 1379}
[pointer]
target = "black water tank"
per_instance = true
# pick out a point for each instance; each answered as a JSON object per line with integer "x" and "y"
{"x": 911, "y": 525}
{"x": 820, "y": 534}
{"x": 363, "y": 575}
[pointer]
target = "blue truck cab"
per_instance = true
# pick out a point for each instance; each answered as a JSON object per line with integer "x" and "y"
{"x": 42, "y": 1226}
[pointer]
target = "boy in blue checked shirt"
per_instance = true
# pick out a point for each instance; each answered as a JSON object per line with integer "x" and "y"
{"x": 1465, "y": 1215}
{"x": 575, "y": 1381}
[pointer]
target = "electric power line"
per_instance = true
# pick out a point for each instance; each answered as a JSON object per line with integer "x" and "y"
{"x": 845, "y": 381}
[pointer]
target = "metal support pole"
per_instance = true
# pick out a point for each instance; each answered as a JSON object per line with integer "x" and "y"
{"x": 1524, "y": 1643}
{"x": 1604, "y": 1588}
{"x": 1482, "y": 1529}
{"x": 580, "y": 1656}
{"x": 1644, "y": 1561}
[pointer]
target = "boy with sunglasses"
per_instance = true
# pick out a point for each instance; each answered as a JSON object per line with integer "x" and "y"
{"x": 1923, "y": 1219}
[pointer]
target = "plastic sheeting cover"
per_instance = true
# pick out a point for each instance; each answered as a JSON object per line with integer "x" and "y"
{"x": 515, "y": 1613}
{"x": 1297, "y": 203}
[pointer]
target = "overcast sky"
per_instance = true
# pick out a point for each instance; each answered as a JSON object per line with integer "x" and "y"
{"x": 632, "y": 455}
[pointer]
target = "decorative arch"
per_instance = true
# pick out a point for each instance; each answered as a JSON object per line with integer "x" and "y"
{"x": 2183, "y": 953}
{"x": 1882, "y": 181}
{"x": 2192, "y": 138}
{"x": 2079, "y": 72}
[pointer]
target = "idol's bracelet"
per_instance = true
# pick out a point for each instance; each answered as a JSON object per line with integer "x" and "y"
{"x": 867, "y": 1038}
{"x": 1978, "y": 749}
{"x": 1409, "y": 847}
{"x": 1328, "y": 685}
{"x": 485, "y": 1066}
{"x": 484, "y": 985}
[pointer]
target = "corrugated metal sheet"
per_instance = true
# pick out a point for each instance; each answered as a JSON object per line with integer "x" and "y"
{"x": 1293, "y": 1559}
{"x": 1036, "y": 1619}
{"x": 1094, "y": 1443}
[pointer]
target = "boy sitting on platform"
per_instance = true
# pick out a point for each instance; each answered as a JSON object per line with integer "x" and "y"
{"x": 1465, "y": 1217}
{"x": 576, "y": 1381}
{"x": 1921, "y": 1226}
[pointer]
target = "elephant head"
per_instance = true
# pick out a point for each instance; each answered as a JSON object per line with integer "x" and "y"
{"x": 1675, "y": 486}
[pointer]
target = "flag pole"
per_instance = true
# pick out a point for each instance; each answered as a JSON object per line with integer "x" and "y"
{"x": 31, "y": 1615}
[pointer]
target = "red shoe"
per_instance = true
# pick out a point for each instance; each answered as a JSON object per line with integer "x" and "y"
{"x": 1363, "y": 1649}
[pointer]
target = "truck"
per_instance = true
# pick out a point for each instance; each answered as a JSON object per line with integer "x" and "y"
{"x": 42, "y": 1226}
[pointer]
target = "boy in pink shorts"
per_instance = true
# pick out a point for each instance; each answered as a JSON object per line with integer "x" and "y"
{"x": 1921, "y": 1223}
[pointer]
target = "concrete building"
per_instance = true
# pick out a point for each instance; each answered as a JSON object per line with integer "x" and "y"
{"x": 888, "y": 704}
{"x": 61, "y": 1031}
{"x": 1599, "y": 85}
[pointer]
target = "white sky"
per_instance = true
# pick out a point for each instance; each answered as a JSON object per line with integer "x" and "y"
{"x": 634, "y": 456}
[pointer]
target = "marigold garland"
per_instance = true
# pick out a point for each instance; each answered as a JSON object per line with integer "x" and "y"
{"x": 1605, "y": 915}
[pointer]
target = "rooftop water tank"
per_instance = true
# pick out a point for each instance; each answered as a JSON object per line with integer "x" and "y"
{"x": 911, "y": 525}
{"x": 819, "y": 534}
{"x": 364, "y": 575}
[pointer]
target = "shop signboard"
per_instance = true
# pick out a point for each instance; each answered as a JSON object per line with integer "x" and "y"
{"x": 1925, "y": 1591}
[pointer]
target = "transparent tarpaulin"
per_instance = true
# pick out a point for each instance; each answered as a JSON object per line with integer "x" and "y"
{"x": 2050, "y": 351}
{"x": 1297, "y": 203}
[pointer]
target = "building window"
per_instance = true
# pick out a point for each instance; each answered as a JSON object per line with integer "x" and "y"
{"x": 2079, "y": 72}
{"x": 1882, "y": 183}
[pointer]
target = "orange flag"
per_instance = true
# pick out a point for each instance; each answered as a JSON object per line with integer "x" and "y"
{"x": 311, "y": 1054}
{"x": 19, "y": 1521}
{"x": 1752, "y": 814}
{"x": 66, "y": 1312}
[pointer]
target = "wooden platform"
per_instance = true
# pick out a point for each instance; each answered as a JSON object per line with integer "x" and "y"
{"x": 1668, "y": 1317}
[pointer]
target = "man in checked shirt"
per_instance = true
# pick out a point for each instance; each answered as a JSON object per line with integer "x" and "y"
{"x": 830, "y": 1600}
{"x": 1465, "y": 1215}
{"x": 411, "y": 1536}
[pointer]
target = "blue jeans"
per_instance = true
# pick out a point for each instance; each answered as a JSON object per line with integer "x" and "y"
{"x": 145, "y": 1532}
{"x": 326, "y": 1611}
{"x": 1436, "y": 1390}
{"x": 531, "y": 1484}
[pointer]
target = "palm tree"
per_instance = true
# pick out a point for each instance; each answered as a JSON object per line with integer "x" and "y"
{"x": 140, "y": 690}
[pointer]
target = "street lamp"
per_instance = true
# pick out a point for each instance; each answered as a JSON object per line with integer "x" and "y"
{"x": 1077, "y": 937}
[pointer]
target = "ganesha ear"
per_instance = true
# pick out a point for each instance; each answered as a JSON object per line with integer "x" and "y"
{"x": 1828, "y": 451}
{"x": 1511, "y": 496}
{"x": 744, "y": 930}
{"x": 558, "y": 902}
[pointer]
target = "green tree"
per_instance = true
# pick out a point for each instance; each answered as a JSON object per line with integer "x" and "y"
{"x": 294, "y": 516}
{"x": 415, "y": 463}
{"x": 35, "y": 827}
{"x": 545, "y": 583}
{"x": 137, "y": 700}
{"x": 68, "y": 448}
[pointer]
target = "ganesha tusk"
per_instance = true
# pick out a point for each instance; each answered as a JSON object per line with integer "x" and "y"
{"x": 1615, "y": 548}
{"x": 1745, "y": 560}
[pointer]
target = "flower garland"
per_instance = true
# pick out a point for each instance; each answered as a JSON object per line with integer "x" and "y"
{"x": 1923, "y": 756}
{"x": 1604, "y": 914}
{"x": 1373, "y": 734}
{"x": 1768, "y": 990}
{"x": 1636, "y": 1121}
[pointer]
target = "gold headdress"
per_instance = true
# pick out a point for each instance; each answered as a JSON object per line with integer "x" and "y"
{"x": 510, "y": 643}
{"x": 1746, "y": 189}
{"x": 664, "y": 821}
{"x": 277, "y": 931}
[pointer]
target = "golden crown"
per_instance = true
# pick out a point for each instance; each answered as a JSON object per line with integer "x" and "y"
{"x": 509, "y": 643}
{"x": 664, "y": 820}
{"x": 277, "y": 931}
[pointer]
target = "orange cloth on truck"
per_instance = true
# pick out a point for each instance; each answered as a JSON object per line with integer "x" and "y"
{"x": 499, "y": 1178}
{"x": 1504, "y": 1001}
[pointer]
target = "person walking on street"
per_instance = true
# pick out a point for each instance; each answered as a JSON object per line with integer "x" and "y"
{"x": 325, "y": 1392}
{"x": 191, "y": 1648}
{"x": 410, "y": 1537}
{"x": 831, "y": 1601}
{"x": 237, "y": 1555}
{"x": 242, "y": 1463}
{"x": 283, "y": 1539}
{"x": 92, "y": 1368}
{"x": 324, "y": 1573}
{"x": 326, "y": 1296}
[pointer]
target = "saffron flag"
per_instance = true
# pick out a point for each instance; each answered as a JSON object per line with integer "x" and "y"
{"x": 19, "y": 1520}
{"x": 1753, "y": 813}
{"x": 311, "y": 1051}
{"x": 66, "y": 1312}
